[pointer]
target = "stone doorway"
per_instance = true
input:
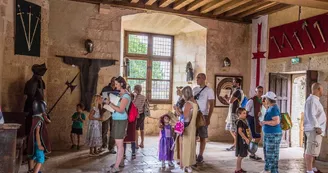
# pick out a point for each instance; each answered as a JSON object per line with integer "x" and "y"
{"x": 297, "y": 108}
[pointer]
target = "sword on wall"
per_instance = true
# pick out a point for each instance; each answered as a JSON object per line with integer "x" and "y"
{"x": 69, "y": 86}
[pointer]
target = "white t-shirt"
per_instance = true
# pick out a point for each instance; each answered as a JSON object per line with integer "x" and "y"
{"x": 314, "y": 115}
{"x": 205, "y": 95}
{"x": 250, "y": 107}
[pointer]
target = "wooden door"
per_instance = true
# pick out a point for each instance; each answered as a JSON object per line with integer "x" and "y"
{"x": 311, "y": 77}
{"x": 280, "y": 84}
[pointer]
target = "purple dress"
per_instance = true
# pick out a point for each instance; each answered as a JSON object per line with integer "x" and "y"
{"x": 165, "y": 143}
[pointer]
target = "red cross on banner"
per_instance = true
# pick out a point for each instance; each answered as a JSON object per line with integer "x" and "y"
{"x": 259, "y": 50}
{"x": 258, "y": 55}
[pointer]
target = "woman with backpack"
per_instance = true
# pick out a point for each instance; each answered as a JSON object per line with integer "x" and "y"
{"x": 131, "y": 130}
{"x": 272, "y": 133}
{"x": 120, "y": 120}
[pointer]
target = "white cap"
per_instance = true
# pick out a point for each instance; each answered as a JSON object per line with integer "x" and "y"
{"x": 270, "y": 95}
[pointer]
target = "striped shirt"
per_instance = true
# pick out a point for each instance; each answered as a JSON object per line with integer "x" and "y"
{"x": 139, "y": 102}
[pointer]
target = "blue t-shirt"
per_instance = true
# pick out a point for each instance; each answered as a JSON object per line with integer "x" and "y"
{"x": 124, "y": 115}
{"x": 272, "y": 112}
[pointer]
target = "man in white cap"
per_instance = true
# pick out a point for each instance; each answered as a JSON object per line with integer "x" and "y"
{"x": 314, "y": 126}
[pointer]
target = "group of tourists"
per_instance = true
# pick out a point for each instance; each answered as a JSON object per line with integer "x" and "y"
{"x": 268, "y": 123}
{"x": 178, "y": 142}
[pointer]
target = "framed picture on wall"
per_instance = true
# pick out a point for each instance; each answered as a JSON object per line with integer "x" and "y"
{"x": 223, "y": 88}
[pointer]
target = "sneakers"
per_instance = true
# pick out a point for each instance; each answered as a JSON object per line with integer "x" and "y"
{"x": 163, "y": 164}
{"x": 232, "y": 148}
{"x": 200, "y": 159}
{"x": 255, "y": 157}
{"x": 134, "y": 156}
{"x": 171, "y": 164}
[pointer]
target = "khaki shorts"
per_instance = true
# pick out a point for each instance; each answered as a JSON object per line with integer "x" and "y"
{"x": 119, "y": 129}
{"x": 313, "y": 143}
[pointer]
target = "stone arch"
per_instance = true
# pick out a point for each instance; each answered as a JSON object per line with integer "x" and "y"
{"x": 190, "y": 39}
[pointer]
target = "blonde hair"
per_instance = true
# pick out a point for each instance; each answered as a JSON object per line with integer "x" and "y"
{"x": 94, "y": 101}
{"x": 187, "y": 93}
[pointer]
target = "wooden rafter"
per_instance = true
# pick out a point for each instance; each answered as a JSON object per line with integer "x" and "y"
{"x": 322, "y": 4}
{"x": 245, "y": 7}
{"x": 181, "y": 3}
{"x": 197, "y": 4}
{"x": 274, "y": 9}
{"x": 150, "y": 2}
{"x": 165, "y": 3}
{"x": 230, "y": 6}
{"x": 213, "y": 5}
{"x": 134, "y": 1}
{"x": 257, "y": 9}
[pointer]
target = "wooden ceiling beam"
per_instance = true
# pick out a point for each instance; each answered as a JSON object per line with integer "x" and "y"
{"x": 305, "y": 3}
{"x": 257, "y": 9}
{"x": 165, "y": 3}
{"x": 182, "y": 3}
{"x": 271, "y": 10}
{"x": 197, "y": 4}
{"x": 245, "y": 7}
{"x": 134, "y": 1}
{"x": 230, "y": 6}
{"x": 213, "y": 5}
{"x": 150, "y": 2}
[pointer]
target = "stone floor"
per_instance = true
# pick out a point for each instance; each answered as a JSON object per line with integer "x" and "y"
{"x": 217, "y": 160}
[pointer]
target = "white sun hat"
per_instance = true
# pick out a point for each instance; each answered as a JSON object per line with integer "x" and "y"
{"x": 270, "y": 95}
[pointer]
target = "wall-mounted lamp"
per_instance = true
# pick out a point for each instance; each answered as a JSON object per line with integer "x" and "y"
{"x": 226, "y": 62}
{"x": 88, "y": 44}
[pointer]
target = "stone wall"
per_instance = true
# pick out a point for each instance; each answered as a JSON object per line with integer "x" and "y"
{"x": 225, "y": 40}
{"x": 317, "y": 62}
{"x": 191, "y": 47}
{"x": 16, "y": 69}
{"x": 5, "y": 17}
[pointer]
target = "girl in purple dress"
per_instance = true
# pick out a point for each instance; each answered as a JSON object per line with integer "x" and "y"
{"x": 166, "y": 141}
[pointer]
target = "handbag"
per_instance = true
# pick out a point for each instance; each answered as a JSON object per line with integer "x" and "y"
{"x": 200, "y": 120}
{"x": 286, "y": 122}
{"x": 146, "y": 108}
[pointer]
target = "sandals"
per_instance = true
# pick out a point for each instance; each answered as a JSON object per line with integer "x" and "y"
{"x": 141, "y": 146}
{"x": 113, "y": 170}
{"x": 30, "y": 171}
{"x": 232, "y": 148}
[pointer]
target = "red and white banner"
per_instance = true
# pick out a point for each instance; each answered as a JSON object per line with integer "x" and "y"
{"x": 259, "y": 52}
